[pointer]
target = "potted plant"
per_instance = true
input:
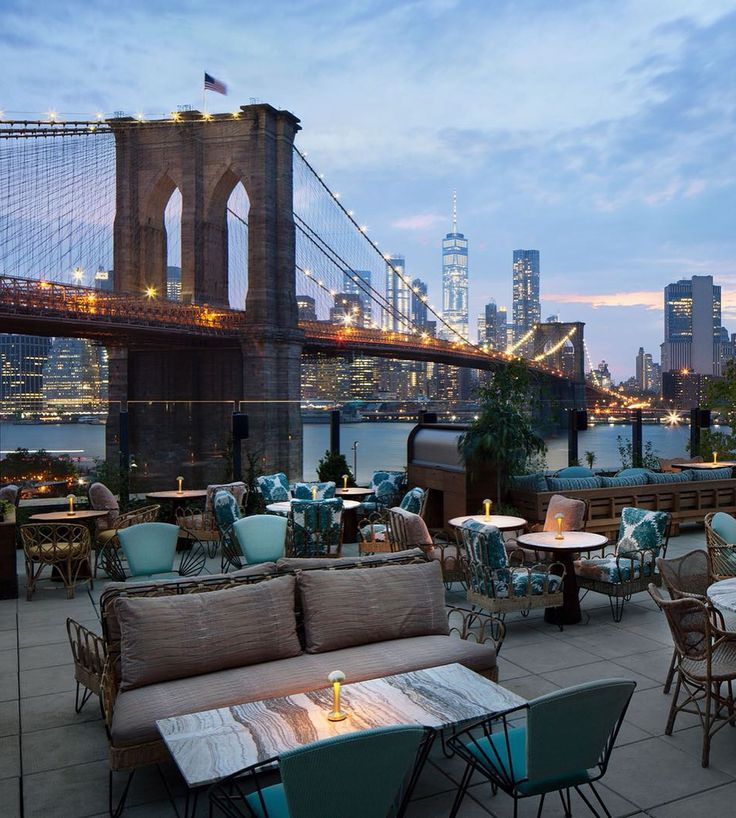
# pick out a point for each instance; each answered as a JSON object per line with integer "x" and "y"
{"x": 502, "y": 438}
{"x": 332, "y": 467}
{"x": 7, "y": 512}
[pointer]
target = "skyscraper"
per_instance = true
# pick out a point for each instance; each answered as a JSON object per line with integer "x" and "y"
{"x": 173, "y": 283}
{"x": 22, "y": 358}
{"x": 103, "y": 279}
{"x": 419, "y": 303}
{"x": 644, "y": 378}
{"x": 692, "y": 326}
{"x": 74, "y": 379}
{"x": 397, "y": 295}
{"x": 359, "y": 283}
{"x": 527, "y": 310}
{"x": 455, "y": 281}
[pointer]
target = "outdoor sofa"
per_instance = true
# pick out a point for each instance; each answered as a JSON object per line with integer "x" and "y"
{"x": 687, "y": 495}
{"x": 179, "y": 646}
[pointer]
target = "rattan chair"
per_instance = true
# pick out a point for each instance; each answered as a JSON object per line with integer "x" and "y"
{"x": 108, "y": 543}
{"x": 65, "y": 547}
{"x": 706, "y": 662}
{"x": 684, "y": 576}
{"x": 720, "y": 543}
{"x": 89, "y": 653}
{"x": 374, "y": 531}
{"x": 408, "y": 530}
{"x": 315, "y": 528}
{"x": 201, "y": 524}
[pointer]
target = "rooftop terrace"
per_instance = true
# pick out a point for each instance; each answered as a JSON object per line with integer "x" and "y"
{"x": 53, "y": 761}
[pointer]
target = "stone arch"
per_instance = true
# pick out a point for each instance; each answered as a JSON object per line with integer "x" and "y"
{"x": 153, "y": 239}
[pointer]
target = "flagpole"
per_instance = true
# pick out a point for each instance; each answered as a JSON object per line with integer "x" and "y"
{"x": 204, "y": 98}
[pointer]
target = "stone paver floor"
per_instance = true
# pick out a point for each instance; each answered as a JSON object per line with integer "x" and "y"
{"x": 53, "y": 761}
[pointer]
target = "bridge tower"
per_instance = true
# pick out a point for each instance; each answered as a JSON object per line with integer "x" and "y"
{"x": 205, "y": 158}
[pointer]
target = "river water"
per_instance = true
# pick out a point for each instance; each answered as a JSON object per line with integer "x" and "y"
{"x": 380, "y": 445}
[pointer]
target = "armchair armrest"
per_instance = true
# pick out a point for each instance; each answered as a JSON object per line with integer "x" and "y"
{"x": 108, "y": 692}
{"x": 476, "y": 626}
{"x": 89, "y": 654}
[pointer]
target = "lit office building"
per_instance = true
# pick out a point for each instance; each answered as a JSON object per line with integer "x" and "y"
{"x": 173, "y": 283}
{"x": 305, "y": 304}
{"x": 22, "y": 358}
{"x": 74, "y": 380}
{"x": 527, "y": 310}
{"x": 692, "y": 326}
{"x": 455, "y": 282}
{"x": 358, "y": 282}
{"x": 398, "y": 295}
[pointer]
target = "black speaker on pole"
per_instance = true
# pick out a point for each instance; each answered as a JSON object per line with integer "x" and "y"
{"x": 705, "y": 418}
{"x": 240, "y": 432}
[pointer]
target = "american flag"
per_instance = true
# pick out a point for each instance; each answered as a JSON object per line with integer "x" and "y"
{"x": 211, "y": 84}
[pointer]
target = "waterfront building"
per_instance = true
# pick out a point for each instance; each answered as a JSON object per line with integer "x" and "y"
{"x": 527, "y": 310}
{"x": 103, "y": 280}
{"x": 684, "y": 389}
{"x": 644, "y": 371}
{"x": 397, "y": 294}
{"x": 455, "y": 282}
{"x": 419, "y": 303}
{"x": 74, "y": 379}
{"x": 173, "y": 283}
{"x": 358, "y": 282}
{"x": 494, "y": 325}
{"x": 692, "y": 326}
{"x": 482, "y": 331}
{"x": 305, "y": 304}
{"x": 22, "y": 358}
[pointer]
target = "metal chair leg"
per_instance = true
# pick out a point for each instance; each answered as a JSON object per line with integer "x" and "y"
{"x": 117, "y": 811}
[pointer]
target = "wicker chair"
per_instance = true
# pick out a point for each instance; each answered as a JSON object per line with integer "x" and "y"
{"x": 106, "y": 555}
{"x": 65, "y": 547}
{"x": 315, "y": 528}
{"x": 706, "y": 661}
{"x": 374, "y": 530}
{"x": 685, "y": 576}
{"x": 630, "y": 567}
{"x": 496, "y": 586}
{"x": 720, "y": 543}
{"x": 89, "y": 653}
{"x": 201, "y": 524}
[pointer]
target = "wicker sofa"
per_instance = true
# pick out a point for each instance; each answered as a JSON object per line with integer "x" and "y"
{"x": 686, "y": 498}
{"x": 272, "y": 630}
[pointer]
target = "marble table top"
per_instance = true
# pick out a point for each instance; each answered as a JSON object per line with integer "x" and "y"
{"x": 723, "y": 594}
{"x": 503, "y": 522}
{"x": 573, "y": 541}
{"x": 210, "y": 745}
{"x": 721, "y": 464}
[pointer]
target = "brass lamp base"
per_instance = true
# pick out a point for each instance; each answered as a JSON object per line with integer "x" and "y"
{"x": 336, "y": 715}
{"x": 559, "y": 537}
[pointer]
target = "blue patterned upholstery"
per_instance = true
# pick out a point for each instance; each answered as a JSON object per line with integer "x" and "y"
{"x": 712, "y": 474}
{"x": 325, "y": 491}
{"x": 274, "y": 488}
{"x": 684, "y": 476}
{"x": 484, "y": 544}
{"x": 625, "y": 480}
{"x": 520, "y": 583}
{"x": 613, "y": 569}
{"x": 226, "y": 509}
{"x": 635, "y": 472}
{"x": 642, "y": 529}
{"x": 529, "y": 482}
{"x": 575, "y": 471}
{"x": 412, "y": 500}
{"x": 387, "y": 486}
{"x": 572, "y": 483}
{"x": 316, "y": 527}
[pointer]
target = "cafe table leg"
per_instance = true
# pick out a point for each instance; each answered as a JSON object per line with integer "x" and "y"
{"x": 569, "y": 614}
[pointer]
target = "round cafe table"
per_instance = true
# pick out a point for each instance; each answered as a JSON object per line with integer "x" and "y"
{"x": 502, "y": 522}
{"x": 187, "y": 494}
{"x": 723, "y": 596}
{"x": 564, "y": 550}
{"x": 354, "y": 491}
{"x": 721, "y": 464}
{"x": 285, "y": 506}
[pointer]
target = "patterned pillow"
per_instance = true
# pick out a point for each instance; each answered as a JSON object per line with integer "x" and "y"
{"x": 608, "y": 569}
{"x": 237, "y": 489}
{"x": 642, "y": 529}
{"x": 573, "y": 483}
{"x": 325, "y": 491}
{"x": 386, "y": 486}
{"x": 529, "y": 482}
{"x": 625, "y": 480}
{"x": 412, "y": 500}
{"x": 712, "y": 474}
{"x": 316, "y": 526}
{"x": 484, "y": 544}
{"x": 274, "y": 487}
{"x": 226, "y": 509}
{"x": 684, "y": 476}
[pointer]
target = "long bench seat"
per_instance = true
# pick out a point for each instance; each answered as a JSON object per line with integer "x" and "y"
{"x": 687, "y": 501}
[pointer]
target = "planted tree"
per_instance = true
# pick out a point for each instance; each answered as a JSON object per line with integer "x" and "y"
{"x": 503, "y": 437}
{"x": 721, "y": 395}
{"x": 332, "y": 467}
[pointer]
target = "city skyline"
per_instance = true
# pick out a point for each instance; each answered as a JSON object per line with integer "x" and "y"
{"x": 608, "y": 148}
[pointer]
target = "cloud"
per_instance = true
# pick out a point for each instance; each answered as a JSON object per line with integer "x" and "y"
{"x": 649, "y": 299}
{"x": 420, "y": 221}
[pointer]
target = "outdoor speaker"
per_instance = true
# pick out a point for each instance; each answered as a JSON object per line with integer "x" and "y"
{"x": 705, "y": 418}
{"x": 240, "y": 426}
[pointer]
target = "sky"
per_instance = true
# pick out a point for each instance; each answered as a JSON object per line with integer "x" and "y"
{"x": 600, "y": 132}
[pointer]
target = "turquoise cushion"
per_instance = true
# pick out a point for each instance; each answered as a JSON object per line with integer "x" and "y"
{"x": 712, "y": 474}
{"x": 572, "y": 483}
{"x": 484, "y": 544}
{"x": 642, "y": 529}
{"x": 575, "y": 471}
{"x": 637, "y": 472}
{"x": 274, "y": 799}
{"x": 626, "y": 480}
{"x": 608, "y": 569}
{"x": 725, "y": 526}
{"x": 529, "y": 482}
{"x": 520, "y": 581}
{"x": 508, "y": 760}
{"x": 412, "y": 500}
{"x": 684, "y": 476}
{"x": 274, "y": 487}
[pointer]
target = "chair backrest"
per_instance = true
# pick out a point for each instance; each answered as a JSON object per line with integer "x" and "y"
{"x": 689, "y": 623}
{"x": 574, "y": 512}
{"x": 415, "y": 501}
{"x": 325, "y": 490}
{"x": 358, "y": 774}
{"x": 149, "y": 548}
{"x": 55, "y": 542}
{"x": 643, "y": 529}
{"x": 261, "y": 537}
{"x": 724, "y": 525}
{"x": 483, "y": 544}
{"x": 316, "y": 525}
{"x": 10, "y": 493}
{"x": 102, "y": 499}
{"x": 274, "y": 487}
{"x": 575, "y": 471}
{"x": 226, "y": 509}
{"x": 407, "y": 530}
{"x": 387, "y": 486}
{"x": 685, "y": 575}
{"x": 237, "y": 489}
{"x": 598, "y": 706}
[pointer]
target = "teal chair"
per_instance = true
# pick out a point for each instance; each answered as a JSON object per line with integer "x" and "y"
{"x": 360, "y": 775}
{"x": 558, "y": 742}
{"x": 260, "y": 537}
{"x": 315, "y": 528}
{"x": 150, "y": 551}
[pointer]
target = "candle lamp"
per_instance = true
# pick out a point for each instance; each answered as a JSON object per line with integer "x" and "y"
{"x": 71, "y": 511}
{"x": 487, "y": 505}
{"x": 314, "y": 492}
{"x": 180, "y": 485}
{"x": 344, "y": 481}
{"x": 335, "y": 678}
{"x": 715, "y": 457}
{"x": 559, "y": 518}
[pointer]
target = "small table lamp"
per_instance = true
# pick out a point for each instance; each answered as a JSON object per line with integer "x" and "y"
{"x": 559, "y": 519}
{"x": 180, "y": 483}
{"x": 71, "y": 512}
{"x": 335, "y": 678}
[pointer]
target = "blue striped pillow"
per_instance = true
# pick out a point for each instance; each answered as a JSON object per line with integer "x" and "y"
{"x": 625, "y": 480}
{"x": 573, "y": 483}
{"x": 529, "y": 482}
{"x": 712, "y": 474}
{"x": 684, "y": 476}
